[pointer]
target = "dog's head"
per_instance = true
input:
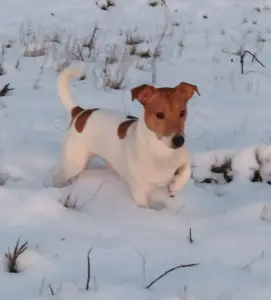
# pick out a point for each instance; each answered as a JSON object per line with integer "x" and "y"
{"x": 165, "y": 110}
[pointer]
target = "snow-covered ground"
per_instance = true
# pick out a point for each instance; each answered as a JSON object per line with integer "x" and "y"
{"x": 228, "y": 131}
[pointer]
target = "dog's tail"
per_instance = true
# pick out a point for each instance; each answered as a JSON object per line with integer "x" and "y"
{"x": 63, "y": 86}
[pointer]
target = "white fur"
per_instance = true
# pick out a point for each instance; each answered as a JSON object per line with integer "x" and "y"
{"x": 140, "y": 158}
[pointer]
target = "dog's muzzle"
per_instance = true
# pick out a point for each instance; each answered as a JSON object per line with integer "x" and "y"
{"x": 177, "y": 141}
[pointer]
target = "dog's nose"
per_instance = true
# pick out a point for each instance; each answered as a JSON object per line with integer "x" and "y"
{"x": 177, "y": 141}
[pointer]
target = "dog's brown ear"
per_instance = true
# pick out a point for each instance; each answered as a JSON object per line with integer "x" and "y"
{"x": 142, "y": 93}
{"x": 187, "y": 90}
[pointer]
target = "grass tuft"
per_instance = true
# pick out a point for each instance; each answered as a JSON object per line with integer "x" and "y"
{"x": 153, "y": 3}
{"x": 69, "y": 202}
{"x": 106, "y": 4}
{"x": 131, "y": 38}
{"x": 257, "y": 177}
{"x": 225, "y": 169}
{"x": 5, "y": 90}
{"x": 140, "y": 53}
{"x": 12, "y": 257}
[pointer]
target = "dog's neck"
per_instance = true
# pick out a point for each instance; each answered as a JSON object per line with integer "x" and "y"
{"x": 151, "y": 144}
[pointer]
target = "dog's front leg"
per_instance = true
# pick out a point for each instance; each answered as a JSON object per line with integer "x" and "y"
{"x": 140, "y": 195}
{"x": 181, "y": 177}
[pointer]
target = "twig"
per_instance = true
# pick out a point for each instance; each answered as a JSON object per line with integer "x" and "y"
{"x": 168, "y": 271}
{"x": 242, "y": 56}
{"x": 254, "y": 57}
{"x": 17, "y": 65}
{"x": 51, "y": 290}
{"x": 191, "y": 241}
{"x": 5, "y": 90}
{"x": 88, "y": 270}
{"x": 143, "y": 265}
{"x": 90, "y": 44}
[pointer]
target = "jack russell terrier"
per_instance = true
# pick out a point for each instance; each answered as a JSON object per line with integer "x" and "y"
{"x": 148, "y": 152}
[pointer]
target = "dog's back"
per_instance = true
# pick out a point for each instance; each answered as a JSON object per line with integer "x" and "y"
{"x": 95, "y": 130}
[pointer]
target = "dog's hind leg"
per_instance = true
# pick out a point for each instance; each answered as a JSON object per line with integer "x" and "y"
{"x": 73, "y": 161}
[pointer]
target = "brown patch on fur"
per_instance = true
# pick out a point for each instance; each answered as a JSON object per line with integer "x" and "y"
{"x": 123, "y": 127}
{"x": 76, "y": 111}
{"x": 165, "y": 108}
{"x": 82, "y": 118}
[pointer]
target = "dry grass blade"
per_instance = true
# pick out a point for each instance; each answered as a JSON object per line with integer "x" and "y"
{"x": 190, "y": 239}
{"x": 51, "y": 289}
{"x": 169, "y": 271}
{"x": 90, "y": 44}
{"x": 157, "y": 50}
{"x": 242, "y": 56}
{"x": 88, "y": 269}
{"x": 13, "y": 256}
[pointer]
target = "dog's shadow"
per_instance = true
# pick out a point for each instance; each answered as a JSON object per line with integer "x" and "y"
{"x": 96, "y": 162}
{"x": 157, "y": 205}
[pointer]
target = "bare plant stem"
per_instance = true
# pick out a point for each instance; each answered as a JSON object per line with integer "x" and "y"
{"x": 242, "y": 56}
{"x": 51, "y": 290}
{"x": 169, "y": 271}
{"x": 88, "y": 270}
{"x": 191, "y": 241}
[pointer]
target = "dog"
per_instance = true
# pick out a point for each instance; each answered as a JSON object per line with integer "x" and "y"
{"x": 148, "y": 152}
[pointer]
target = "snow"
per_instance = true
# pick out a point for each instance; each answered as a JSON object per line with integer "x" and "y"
{"x": 229, "y": 122}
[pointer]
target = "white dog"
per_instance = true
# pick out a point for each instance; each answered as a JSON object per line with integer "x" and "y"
{"x": 148, "y": 152}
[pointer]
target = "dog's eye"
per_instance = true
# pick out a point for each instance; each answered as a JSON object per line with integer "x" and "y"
{"x": 182, "y": 113}
{"x": 160, "y": 115}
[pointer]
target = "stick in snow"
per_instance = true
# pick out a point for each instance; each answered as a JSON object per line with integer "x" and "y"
{"x": 168, "y": 271}
{"x": 51, "y": 290}
{"x": 190, "y": 239}
{"x": 88, "y": 271}
{"x": 242, "y": 56}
